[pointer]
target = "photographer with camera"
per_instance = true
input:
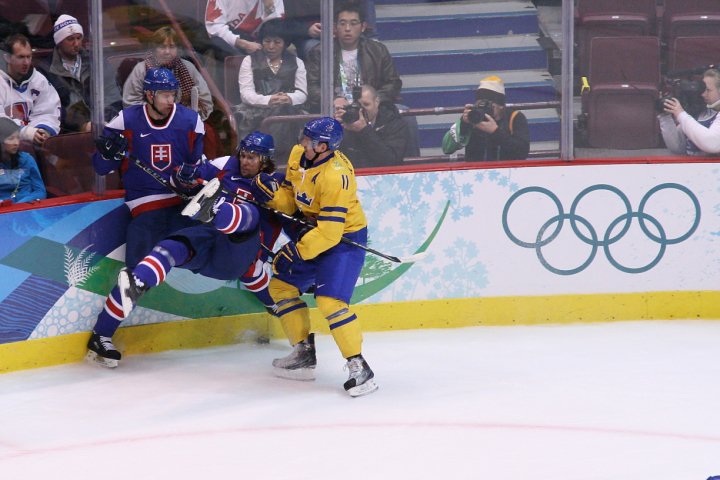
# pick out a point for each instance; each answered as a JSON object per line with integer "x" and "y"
{"x": 687, "y": 136}
{"x": 488, "y": 129}
{"x": 375, "y": 133}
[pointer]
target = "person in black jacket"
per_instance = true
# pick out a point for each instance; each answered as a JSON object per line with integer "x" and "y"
{"x": 68, "y": 71}
{"x": 375, "y": 134}
{"x": 488, "y": 129}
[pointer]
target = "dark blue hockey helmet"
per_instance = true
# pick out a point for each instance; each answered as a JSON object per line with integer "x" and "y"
{"x": 324, "y": 129}
{"x": 157, "y": 79}
{"x": 258, "y": 142}
{"x": 262, "y": 144}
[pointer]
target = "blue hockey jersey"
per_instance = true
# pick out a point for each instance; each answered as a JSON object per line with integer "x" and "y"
{"x": 164, "y": 148}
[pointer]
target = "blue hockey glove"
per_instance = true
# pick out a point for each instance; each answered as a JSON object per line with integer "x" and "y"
{"x": 185, "y": 176}
{"x": 264, "y": 187}
{"x": 112, "y": 146}
{"x": 285, "y": 257}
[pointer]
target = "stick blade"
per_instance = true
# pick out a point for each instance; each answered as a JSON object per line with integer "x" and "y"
{"x": 413, "y": 258}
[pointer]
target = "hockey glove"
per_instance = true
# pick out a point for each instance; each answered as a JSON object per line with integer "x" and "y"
{"x": 264, "y": 187}
{"x": 184, "y": 176}
{"x": 112, "y": 146}
{"x": 285, "y": 257}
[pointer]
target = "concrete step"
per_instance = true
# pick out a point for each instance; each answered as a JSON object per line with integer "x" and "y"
{"x": 455, "y": 19}
{"x": 456, "y": 89}
{"x": 467, "y": 54}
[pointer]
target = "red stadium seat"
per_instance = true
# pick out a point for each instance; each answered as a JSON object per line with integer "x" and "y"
{"x": 694, "y": 52}
{"x": 610, "y": 18}
{"x": 620, "y": 106}
{"x": 66, "y": 165}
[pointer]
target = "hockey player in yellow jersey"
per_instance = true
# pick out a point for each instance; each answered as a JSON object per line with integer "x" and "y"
{"x": 320, "y": 184}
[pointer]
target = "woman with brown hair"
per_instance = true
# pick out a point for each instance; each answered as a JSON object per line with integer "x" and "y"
{"x": 194, "y": 91}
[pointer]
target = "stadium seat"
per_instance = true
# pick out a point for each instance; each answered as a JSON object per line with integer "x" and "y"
{"x": 66, "y": 165}
{"x": 688, "y": 53}
{"x": 690, "y": 18}
{"x": 611, "y": 18}
{"x": 620, "y": 106}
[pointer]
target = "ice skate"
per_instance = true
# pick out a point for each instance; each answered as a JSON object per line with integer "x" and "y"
{"x": 203, "y": 206}
{"x": 102, "y": 351}
{"x": 300, "y": 363}
{"x": 361, "y": 380}
{"x": 131, "y": 289}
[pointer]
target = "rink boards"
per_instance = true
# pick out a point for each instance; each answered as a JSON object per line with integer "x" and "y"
{"x": 514, "y": 245}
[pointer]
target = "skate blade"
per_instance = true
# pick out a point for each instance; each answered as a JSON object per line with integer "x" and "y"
{"x": 96, "y": 359}
{"x": 124, "y": 286}
{"x": 364, "y": 389}
{"x": 299, "y": 374}
{"x": 193, "y": 207}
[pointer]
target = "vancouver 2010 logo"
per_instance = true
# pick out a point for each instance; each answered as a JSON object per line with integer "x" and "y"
{"x": 586, "y": 232}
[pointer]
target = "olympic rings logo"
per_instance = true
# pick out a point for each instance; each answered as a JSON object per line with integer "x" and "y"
{"x": 590, "y": 236}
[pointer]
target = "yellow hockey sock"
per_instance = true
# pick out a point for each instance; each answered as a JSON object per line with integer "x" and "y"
{"x": 344, "y": 325}
{"x": 292, "y": 311}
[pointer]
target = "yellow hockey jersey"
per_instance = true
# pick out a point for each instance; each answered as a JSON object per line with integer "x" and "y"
{"x": 327, "y": 192}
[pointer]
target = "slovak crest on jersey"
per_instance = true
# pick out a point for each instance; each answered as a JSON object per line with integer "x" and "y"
{"x": 161, "y": 156}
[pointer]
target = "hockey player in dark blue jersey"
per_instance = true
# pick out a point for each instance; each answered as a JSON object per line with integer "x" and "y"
{"x": 225, "y": 246}
{"x": 166, "y": 137}
{"x": 163, "y": 135}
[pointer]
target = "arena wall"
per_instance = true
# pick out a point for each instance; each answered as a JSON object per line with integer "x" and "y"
{"x": 508, "y": 245}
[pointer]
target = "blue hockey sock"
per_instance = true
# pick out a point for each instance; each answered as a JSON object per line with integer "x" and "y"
{"x": 111, "y": 315}
{"x": 231, "y": 218}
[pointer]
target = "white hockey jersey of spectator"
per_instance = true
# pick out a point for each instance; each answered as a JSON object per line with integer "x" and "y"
{"x": 233, "y": 19}
{"x": 34, "y": 104}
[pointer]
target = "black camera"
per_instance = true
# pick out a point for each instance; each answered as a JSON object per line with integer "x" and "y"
{"x": 686, "y": 87}
{"x": 352, "y": 111}
{"x": 479, "y": 110}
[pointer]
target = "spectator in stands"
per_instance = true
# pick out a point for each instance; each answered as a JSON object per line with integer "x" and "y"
{"x": 304, "y": 25}
{"x": 685, "y": 135}
{"x": 69, "y": 72}
{"x": 20, "y": 179}
{"x": 26, "y": 95}
{"x": 487, "y": 129}
{"x": 272, "y": 82}
{"x": 375, "y": 133}
{"x": 233, "y": 24}
{"x": 358, "y": 60}
{"x": 194, "y": 91}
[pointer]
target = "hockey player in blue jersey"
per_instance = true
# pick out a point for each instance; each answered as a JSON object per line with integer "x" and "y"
{"x": 232, "y": 241}
{"x": 166, "y": 137}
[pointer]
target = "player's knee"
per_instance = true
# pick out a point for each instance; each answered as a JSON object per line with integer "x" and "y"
{"x": 280, "y": 290}
{"x": 335, "y": 311}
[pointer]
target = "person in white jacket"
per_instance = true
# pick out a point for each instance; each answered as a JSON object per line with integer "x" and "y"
{"x": 26, "y": 96}
{"x": 687, "y": 136}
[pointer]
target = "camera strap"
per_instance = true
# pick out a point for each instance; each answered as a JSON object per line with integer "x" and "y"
{"x": 512, "y": 119}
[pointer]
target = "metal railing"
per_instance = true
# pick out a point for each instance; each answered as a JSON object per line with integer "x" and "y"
{"x": 552, "y": 153}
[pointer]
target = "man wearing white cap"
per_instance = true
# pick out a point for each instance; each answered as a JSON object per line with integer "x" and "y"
{"x": 26, "y": 96}
{"x": 69, "y": 72}
{"x": 488, "y": 129}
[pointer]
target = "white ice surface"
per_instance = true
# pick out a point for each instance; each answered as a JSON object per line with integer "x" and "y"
{"x": 636, "y": 400}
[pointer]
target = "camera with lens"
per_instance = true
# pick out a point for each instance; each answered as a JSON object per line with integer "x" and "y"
{"x": 479, "y": 110}
{"x": 687, "y": 86}
{"x": 352, "y": 111}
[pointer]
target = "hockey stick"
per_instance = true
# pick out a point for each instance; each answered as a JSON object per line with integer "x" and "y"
{"x": 408, "y": 259}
